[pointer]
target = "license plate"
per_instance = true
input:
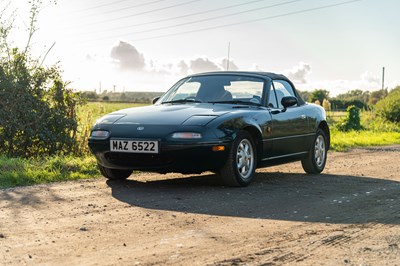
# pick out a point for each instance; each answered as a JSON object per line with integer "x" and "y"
{"x": 134, "y": 146}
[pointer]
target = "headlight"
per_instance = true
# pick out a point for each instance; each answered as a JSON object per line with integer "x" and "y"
{"x": 186, "y": 135}
{"x": 100, "y": 134}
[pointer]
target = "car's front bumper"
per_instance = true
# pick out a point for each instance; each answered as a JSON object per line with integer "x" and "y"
{"x": 173, "y": 157}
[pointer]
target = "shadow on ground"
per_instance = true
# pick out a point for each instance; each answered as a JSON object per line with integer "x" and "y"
{"x": 292, "y": 197}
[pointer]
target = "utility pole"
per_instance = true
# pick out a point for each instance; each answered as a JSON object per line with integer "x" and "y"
{"x": 229, "y": 50}
{"x": 383, "y": 78}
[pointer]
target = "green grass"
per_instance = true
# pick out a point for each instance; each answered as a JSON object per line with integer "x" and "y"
{"x": 376, "y": 132}
{"x": 23, "y": 172}
{"x": 342, "y": 141}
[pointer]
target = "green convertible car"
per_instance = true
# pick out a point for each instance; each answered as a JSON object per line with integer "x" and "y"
{"x": 229, "y": 123}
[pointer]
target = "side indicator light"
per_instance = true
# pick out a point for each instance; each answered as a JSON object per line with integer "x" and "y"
{"x": 218, "y": 148}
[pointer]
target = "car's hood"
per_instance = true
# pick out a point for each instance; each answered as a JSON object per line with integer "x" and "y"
{"x": 193, "y": 114}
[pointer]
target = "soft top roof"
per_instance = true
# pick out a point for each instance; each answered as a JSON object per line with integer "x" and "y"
{"x": 270, "y": 75}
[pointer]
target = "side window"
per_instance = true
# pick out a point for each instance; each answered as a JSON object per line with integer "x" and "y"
{"x": 272, "y": 98}
{"x": 282, "y": 89}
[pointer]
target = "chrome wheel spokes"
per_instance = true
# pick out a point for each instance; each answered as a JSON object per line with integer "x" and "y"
{"x": 245, "y": 158}
{"x": 320, "y": 151}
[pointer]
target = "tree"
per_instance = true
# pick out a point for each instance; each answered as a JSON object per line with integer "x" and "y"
{"x": 389, "y": 107}
{"x": 90, "y": 95}
{"x": 305, "y": 95}
{"x": 37, "y": 111}
{"x": 352, "y": 95}
{"x": 376, "y": 96}
{"x": 319, "y": 95}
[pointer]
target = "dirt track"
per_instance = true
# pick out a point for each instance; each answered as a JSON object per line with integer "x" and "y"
{"x": 350, "y": 215}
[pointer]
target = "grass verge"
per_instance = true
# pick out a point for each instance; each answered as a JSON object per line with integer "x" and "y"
{"x": 23, "y": 172}
{"x": 342, "y": 141}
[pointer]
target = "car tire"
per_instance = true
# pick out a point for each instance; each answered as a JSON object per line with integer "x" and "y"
{"x": 114, "y": 174}
{"x": 241, "y": 164}
{"x": 315, "y": 161}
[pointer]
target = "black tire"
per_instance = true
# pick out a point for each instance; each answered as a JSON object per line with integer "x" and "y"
{"x": 315, "y": 161}
{"x": 114, "y": 174}
{"x": 241, "y": 164}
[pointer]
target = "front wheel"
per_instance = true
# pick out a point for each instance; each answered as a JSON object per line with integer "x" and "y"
{"x": 315, "y": 162}
{"x": 241, "y": 164}
{"x": 114, "y": 174}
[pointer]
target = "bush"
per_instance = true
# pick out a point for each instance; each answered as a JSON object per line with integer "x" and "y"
{"x": 37, "y": 111}
{"x": 351, "y": 121}
{"x": 389, "y": 107}
{"x": 372, "y": 122}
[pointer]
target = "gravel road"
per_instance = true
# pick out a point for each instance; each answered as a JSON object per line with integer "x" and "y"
{"x": 350, "y": 215}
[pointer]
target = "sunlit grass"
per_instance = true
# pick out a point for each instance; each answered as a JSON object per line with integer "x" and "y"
{"x": 342, "y": 141}
{"x": 23, "y": 172}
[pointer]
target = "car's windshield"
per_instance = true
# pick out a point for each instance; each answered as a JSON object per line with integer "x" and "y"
{"x": 216, "y": 89}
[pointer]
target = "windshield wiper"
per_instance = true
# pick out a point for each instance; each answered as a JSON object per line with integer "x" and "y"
{"x": 183, "y": 101}
{"x": 237, "y": 102}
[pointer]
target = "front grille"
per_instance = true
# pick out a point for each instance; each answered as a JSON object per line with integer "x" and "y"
{"x": 139, "y": 160}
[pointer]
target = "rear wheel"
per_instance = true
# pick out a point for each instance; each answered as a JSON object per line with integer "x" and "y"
{"x": 241, "y": 164}
{"x": 114, "y": 174}
{"x": 315, "y": 162}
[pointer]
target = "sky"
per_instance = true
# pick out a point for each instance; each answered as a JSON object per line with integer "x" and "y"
{"x": 148, "y": 45}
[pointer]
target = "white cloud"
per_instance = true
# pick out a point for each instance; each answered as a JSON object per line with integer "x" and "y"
{"x": 183, "y": 67}
{"x": 299, "y": 73}
{"x": 370, "y": 79}
{"x": 127, "y": 57}
{"x": 198, "y": 64}
{"x": 203, "y": 64}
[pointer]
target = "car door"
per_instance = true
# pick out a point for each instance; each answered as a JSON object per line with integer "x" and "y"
{"x": 289, "y": 126}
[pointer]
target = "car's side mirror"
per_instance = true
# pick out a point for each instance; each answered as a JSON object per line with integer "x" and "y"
{"x": 155, "y": 99}
{"x": 288, "y": 101}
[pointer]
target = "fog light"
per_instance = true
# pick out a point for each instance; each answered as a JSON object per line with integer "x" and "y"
{"x": 186, "y": 135}
{"x": 218, "y": 148}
